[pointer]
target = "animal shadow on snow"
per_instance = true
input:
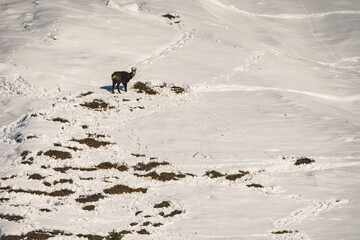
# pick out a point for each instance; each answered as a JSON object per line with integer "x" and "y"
{"x": 109, "y": 88}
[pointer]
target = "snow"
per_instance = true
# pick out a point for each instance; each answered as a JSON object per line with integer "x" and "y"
{"x": 266, "y": 83}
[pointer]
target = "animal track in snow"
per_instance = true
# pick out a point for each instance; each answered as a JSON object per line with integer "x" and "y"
{"x": 226, "y": 88}
{"x": 316, "y": 208}
{"x": 185, "y": 38}
{"x": 283, "y": 15}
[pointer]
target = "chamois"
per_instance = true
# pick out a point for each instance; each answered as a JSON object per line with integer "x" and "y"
{"x": 122, "y": 77}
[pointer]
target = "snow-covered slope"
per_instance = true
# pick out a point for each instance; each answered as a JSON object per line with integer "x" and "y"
{"x": 244, "y": 90}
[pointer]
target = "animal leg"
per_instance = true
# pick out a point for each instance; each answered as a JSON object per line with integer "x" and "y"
{"x": 117, "y": 85}
{"x": 113, "y": 86}
{"x": 125, "y": 86}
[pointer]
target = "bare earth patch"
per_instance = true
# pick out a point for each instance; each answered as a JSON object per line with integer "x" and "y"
{"x": 120, "y": 189}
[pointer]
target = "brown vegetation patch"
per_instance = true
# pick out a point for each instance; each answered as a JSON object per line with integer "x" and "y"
{"x": 4, "y": 199}
{"x": 36, "y": 176}
{"x": 90, "y": 198}
{"x": 58, "y": 154}
{"x": 120, "y": 189}
{"x": 11, "y": 237}
{"x": 233, "y": 177}
{"x": 138, "y": 107}
{"x": 124, "y": 232}
{"x": 45, "y": 210}
{"x": 88, "y": 178}
{"x": 173, "y": 213}
{"x": 133, "y": 224}
{"x": 61, "y": 193}
{"x": 63, "y": 181}
{"x": 214, "y": 174}
{"x": 62, "y": 169}
{"x": 141, "y": 87}
{"x": 30, "y": 136}
{"x": 282, "y": 232}
{"x": 84, "y": 126}
{"x": 169, "y": 16}
{"x": 47, "y": 184}
{"x": 35, "y": 192}
{"x": 10, "y": 217}
{"x": 157, "y": 224}
{"x": 95, "y": 135}
{"x": 68, "y": 147}
{"x": 24, "y": 154}
{"x": 30, "y": 161}
{"x": 146, "y": 224}
{"x": 84, "y": 94}
{"x": 65, "y": 169}
{"x": 164, "y": 176}
{"x": 62, "y": 120}
{"x": 6, "y": 178}
{"x": 177, "y": 90}
{"x": 163, "y": 204}
{"x": 39, "y": 153}
{"x": 97, "y": 105}
{"x": 109, "y": 165}
{"x": 90, "y": 237}
{"x": 138, "y": 212}
{"x": 149, "y": 166}
{"x": 138, "y": 155}
{"x": 143, "y": 232}
{"x": 303, "y": 161}
{"x": 89, "y": 208}
{"x": 5, "y": 188}
{"x": 91, "y": 142}
{"x": 125, "y": 100}
{"x": 255, "y": 185}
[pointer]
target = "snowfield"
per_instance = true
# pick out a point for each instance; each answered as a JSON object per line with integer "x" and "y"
{"x": 247, "y": 125}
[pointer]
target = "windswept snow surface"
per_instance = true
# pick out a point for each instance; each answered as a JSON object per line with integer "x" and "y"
{"x": 266, "y": 83}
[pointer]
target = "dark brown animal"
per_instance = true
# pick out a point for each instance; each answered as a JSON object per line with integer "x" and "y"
{"x": 122, "y": 77}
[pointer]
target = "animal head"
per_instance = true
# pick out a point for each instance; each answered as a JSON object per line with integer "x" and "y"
{"x": 133, "y": 71}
